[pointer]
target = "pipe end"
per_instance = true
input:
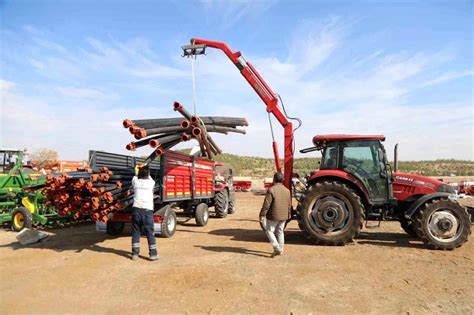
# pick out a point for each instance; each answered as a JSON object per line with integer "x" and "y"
{"x": 185, "y": 124}
{"x": 153, "y": 143}
{"x": 127, "y": 123}
{"x": 177, "y": 106}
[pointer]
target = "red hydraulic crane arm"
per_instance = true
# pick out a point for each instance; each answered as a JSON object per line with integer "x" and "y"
{"x": 268, "y": 97}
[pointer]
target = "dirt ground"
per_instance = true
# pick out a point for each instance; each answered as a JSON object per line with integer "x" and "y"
{"x": 226, "y": 267}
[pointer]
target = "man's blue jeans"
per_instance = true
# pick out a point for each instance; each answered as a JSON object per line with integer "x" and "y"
{"x": 143, "y": 217}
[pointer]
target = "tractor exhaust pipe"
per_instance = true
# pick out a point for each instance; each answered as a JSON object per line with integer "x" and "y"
{"x": 395, "y": 158}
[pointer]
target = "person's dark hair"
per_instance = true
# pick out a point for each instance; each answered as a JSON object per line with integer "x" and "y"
{"x": 278, "y": 177}
{"x": 143, "y": 172}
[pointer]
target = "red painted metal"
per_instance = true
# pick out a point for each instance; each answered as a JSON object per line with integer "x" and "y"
{"x": 319, "y": 139}
{"x": 268, "y": 97}
{"x": 407, "y": 185}
{"x": 177, "y": 176}
{"x": 179, "y": 172}
{"x": 242, "y": 185}
{"x": 343, "y": 175}
{"x": 127, "y": 217}
{"x": 277, "y": 156}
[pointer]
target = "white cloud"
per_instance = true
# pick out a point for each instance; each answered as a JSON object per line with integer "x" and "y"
{"x": 370, "y": 94}
{"x": 34, "y": 123}
{"x": 231, "y": 12}
{"x": 87, "y": 93}
{"x": 134, "y": 58}
{"x": 313, "y": 45}
{"x": 6, "y": 85}
{"x": 446, "y": 77}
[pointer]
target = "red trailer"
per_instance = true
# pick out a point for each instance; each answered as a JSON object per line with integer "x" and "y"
{"x": 243, "y": 184}
{"x": 185, "y": 182}
{"x": 267, "y": 182}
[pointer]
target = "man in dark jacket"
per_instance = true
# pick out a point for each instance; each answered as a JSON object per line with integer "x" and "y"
{"x": 275, "y": 212}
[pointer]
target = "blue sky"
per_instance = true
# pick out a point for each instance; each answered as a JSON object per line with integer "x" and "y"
{"x": 72, "y": 70}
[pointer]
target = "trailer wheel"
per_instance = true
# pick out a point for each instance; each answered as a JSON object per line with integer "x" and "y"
{"x": 114, "y": 228}
{"x": 21, "y": 218}
{"x": 331, "y": 213}
{"x": 168, "y": 226}
{"x": 232, "y": 205}
{"x": 202, "y": 214}
{"x": 221, "y": 203}
{"x": 443, "y": 224}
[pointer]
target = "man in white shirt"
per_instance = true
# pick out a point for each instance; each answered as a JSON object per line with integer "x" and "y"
{"x": 143, "y": 186}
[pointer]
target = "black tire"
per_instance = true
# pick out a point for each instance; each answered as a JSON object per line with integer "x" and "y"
{"x": 408, "y": 226}
{"x": 21, "y": 218}
{"x": 114, "y": 228}
{"x": 437, "y": 220}
{"x": 168, "y": 226}
{"x": 202, "y": 214}
{"x": 337, "y": 204}
{"x": 221, "y": 203}
{"x": 232, "y": 204}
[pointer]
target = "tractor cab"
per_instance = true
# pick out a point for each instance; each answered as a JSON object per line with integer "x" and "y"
{"x": 360, "y": 159}
{"x": 9, "y": 159}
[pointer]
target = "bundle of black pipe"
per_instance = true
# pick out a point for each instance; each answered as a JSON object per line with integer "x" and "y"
{"x": 163, "y": 133}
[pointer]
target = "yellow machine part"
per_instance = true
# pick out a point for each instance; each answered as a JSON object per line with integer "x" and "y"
{"x": 28, "y": 204}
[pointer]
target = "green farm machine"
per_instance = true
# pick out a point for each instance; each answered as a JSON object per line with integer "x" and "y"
{"x": 19, "y": 206}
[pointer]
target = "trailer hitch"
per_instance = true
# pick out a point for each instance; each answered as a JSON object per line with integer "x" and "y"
{"x": 193, "y": 50}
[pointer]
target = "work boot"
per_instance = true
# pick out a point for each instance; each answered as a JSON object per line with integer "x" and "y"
{"x": 276, "y": 252}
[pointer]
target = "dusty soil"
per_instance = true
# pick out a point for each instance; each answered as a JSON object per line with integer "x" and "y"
{"x": 225, "y": 268}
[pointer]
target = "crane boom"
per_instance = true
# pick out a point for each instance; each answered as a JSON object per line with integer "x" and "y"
{"x": 264, "y": 92}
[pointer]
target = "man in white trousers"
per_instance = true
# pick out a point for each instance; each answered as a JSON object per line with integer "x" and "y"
{"x": 275, "y": 212}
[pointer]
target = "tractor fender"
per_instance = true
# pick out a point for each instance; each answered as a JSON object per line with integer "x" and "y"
{"x": 346, "y": 178}
{"x": 422, "y": 200}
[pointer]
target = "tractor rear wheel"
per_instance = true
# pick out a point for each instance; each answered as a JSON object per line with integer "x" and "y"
{"x": 331, "y": 213}
{"x": 443, "y": 224}
{"x": 221, "y": 203}
{"x": 408, "y": 226}
{"x": 21, "y": 218}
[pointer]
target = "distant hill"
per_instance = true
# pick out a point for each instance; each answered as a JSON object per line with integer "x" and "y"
{"x": 264, "y": 167}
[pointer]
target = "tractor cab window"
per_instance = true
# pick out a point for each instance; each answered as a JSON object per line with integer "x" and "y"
{"x": 8, "y": 161}
{"x": 362, "y": 159}
{"x": 329, "y": 160}
{"x": 2, "y": 162}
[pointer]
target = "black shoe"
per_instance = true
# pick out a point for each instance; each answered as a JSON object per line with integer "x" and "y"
{"x": 276, "y": 253}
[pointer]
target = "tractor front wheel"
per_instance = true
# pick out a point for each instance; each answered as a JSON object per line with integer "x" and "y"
{"x": 331, "y": 213}
{"x": 232, "y": 204}
{"x": 443, "y": 224}
{"x": 21, "y": 218}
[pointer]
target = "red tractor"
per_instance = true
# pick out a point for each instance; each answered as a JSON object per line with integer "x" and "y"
{"x": 355, "y": 180}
